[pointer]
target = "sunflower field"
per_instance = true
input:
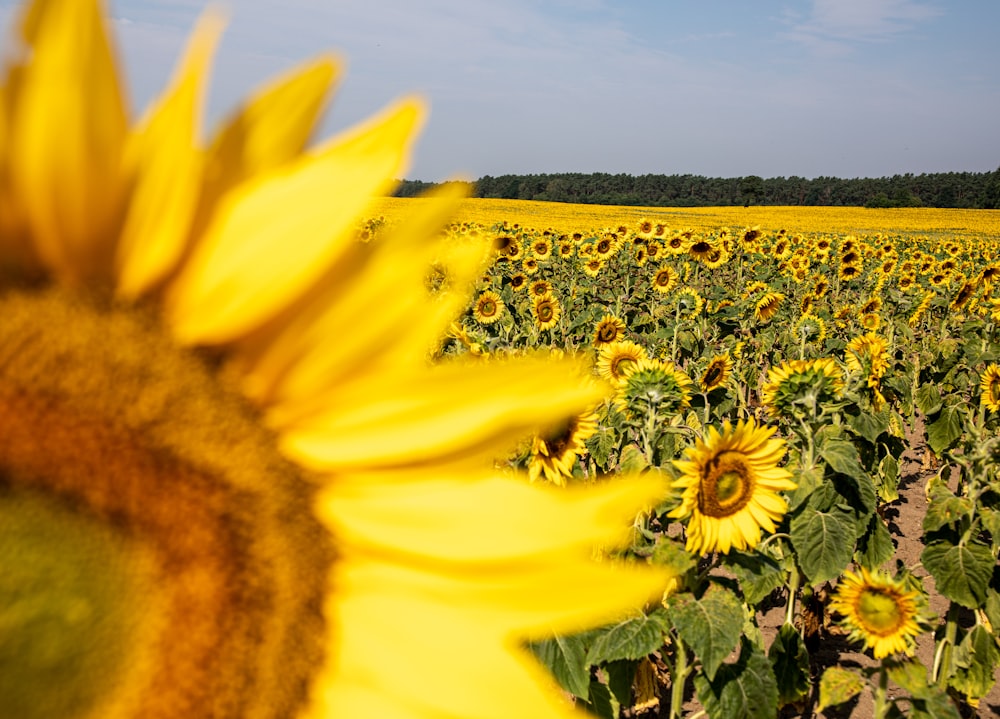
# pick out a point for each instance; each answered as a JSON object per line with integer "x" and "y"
{"x": 777, "y": 377}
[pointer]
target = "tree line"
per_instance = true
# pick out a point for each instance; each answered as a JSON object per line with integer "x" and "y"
{"x": 971, "y": 190}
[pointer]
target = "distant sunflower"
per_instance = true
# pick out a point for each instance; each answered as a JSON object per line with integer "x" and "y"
{"x": 554, "y": 453}
{"x": 767, "y": 306}
{"x": 665, "y": 279}
{"x": 644, "y": 228}
{"x": 869, "y": 355}
{"x": 613, "y": 360}
{"x": 609, "y": 329}
{"x": 651, "y": 385}
{"x": 962, "y": 297}
{"x": 593, "y": 267}
{"x": 607, "y": 245}
{"x": 906, "y": 281}
{"x": 716, "y": 258}
{"x": 880, "y": 611}
{"x": 701, "y": 247}
{"x": 547, "y": 311}
{"x": 519, "y": 281}
{"x": 870, "y": 322}
{"x": 716, "y": 372}
{"x": 990, "y": 386}
{"x": 566, "y": 249}
{"x": 730, "y": 482}
{"x": 676, "y": 244}
{"x": 810, "y": 328}
{"x": 541, "y": 249}
{"x": 798, "y": 385}
{"x": 515, "y": 250}
{"x": 488, "y": 308}
{"x": 530, "y": 266}
{"x": 539, "y": 288}
{"x": 820, "y": 288}
{"x": 689, "y": 302}
{"x": 653, "y": 249}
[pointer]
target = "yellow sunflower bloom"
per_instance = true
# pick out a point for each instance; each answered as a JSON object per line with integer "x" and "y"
{"x": 730, "y": 482}
{"x": 613, "y": 360}
{"x": 223, "y": 495}
{"x": 554, "y": 453}
{"x": 547, "y": 311}
{"x": 665, "y": 279}
{"x": 990, "y": 386}
{"x": 767, "y": 306}
{"x": 609, "y": 329}
{"x": 488, "y": 308}
{"x": 879, "y": 611}
{"x": 716, "y": 372}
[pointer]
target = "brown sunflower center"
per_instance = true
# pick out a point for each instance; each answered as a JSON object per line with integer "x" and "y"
{"x": 712, "y": 375}
{"x": 487, "y": 308}
{"x": 607, "y": 332}
{"x": 170, "y": 564}
{"x": 727, "y": 485}
{"x": 879, "y": 611}
{"x": 545, "y": 311}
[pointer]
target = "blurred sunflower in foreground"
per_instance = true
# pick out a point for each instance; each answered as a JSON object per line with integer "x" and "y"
{"x": 231, "y": 485}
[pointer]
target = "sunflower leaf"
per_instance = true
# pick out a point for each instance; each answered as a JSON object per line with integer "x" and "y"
{"x": 566, "y": 658}
{"x": 711, "y": 626}
{"x": 876, "y": 547}
{"x": 823, "y": 541}
{"x": 790, "y": 661}
{"x": 746, "y": 689}
{"x": 870, "y": 425}
{"x": 838, "y": 685}
{"x": 943, "y": 431}
{"x": 928, "y": 398}
{"x": 632, "y": 638}
{"x": 758, "y": 575}
{"x": 976, "y": 657}
{"x": 961, "y": 571}
{"x": 601, "y": 702}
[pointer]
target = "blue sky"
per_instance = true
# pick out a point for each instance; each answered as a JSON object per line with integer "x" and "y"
{"x": 850, "y": 88}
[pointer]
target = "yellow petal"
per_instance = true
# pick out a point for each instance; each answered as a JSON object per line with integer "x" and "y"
{"x": 168, "y": 171}
{"x": 342, "y": 329}
{"x": 425, "y": 417}
{"x": 272, "y": 128}
{"x": 274, "y": 237}
{"x": 69, "y": 131}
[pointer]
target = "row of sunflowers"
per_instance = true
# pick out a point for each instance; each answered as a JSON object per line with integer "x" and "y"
{"x": 775, "y": 380}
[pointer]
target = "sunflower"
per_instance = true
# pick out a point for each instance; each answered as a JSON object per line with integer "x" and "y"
{"x": 644, "y": 228}
{"x": 962, "y": 297}
{"x": 810, "y": 328}
{"x": 677, "y": 244}
{"x": 541, "y": 249}
{"x": 221, "y": 494}
{"x": 607, "y": 245}
{"x": 613, "y": 360}
{"x": 918, "y": 313}
{"x": 796, "y": 384}
{"x": 874, "y": 304}
{"x": 488, "y": 308}
{"x": 730, "y": 482}
{"x": 609, "y": 329}
{"x": 990, "y": 386}
{"x": 849, "y": 272}
{"x": 716, "y": 372}
{"x": 650, "y": 385}
{"x": 665, "y": 279}
{"x": 593, "y": 267}
{"x": 767, "y": 306}
{"x": 701, "y": 247}
{"x": 880, "y": 611}
{"x": 566, "y": 249}
{"x": 539, "y": 288}
{"x": 530, "y": 266}
{"x": 519, "y": 281}
{"x": 689, "y": 302}
{"x": 514, "y": 250}
{"x": 547, "y": 311}
{"x": 869, "y": 355}
{"x": 653, "y": 249}
{"x": 554, "y": 453}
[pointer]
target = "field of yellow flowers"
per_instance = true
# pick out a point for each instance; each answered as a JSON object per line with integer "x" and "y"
{"x": 774, "y": 366}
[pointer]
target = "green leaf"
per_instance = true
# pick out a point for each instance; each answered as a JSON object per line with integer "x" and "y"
{"x": 911, "y": 676}
{"x": 942, "y": 432}
{"x": 888, "y": 479}
{"x": 745, "y": 690}
{"x": 870, "y": 424}
{"x": 977, "y": 658}
{"x": 621, "y": 675}
{"x": 807, "y": 480}
{"x": 632, "y": 459}
{"x": 671, "y": 555}
{"x": 566, "y": 658}
{"x": 601, "y": 444}
{"x": 632, "y": 638}
{"x": 758, "y": 575}
{"x": 711, "y": 626}
{"x": 600, "y": 702}
{"x": 944, "y": 507}
{"x": 928, "y": 398}
{"x": 961, "y": 572}
{"x": 838, "y": 685}
{"x": 875, "y": 548}
{"x": 790, "y": 661}
{"x": 823, "y": 541}
{"x": 842, "y": 457}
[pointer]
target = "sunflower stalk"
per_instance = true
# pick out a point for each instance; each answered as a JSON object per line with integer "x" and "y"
{"x": 678, "y": 677}
{"x": 882, "y": 702}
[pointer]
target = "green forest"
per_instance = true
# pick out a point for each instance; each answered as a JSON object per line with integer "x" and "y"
{"x": 970, "y": 190}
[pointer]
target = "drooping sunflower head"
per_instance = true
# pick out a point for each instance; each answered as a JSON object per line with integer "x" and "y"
{"x": 609, "y": 329}
{"x": 701, "y": 246}
{"x": 650, "y": 385}
{"x": 613, "y": 360}
{"x": 767, "y": 306}
{"x": 665, "y": 279}
{"x": 547, "y": 311}
{"x": 964, "y": 294}
{"x": 801, "y": 387}
{"x": 554, "y": 452}
{"x": 488, "y": 308}
{"x": 730, "y": 483}
{"x": 880, "y": 611}
{"x": 868, "y": 354}
{"x": 716, "y": 372}
{"x": 989, "y": 384}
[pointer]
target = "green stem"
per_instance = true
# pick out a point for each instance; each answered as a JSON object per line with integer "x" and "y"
{"x": 793, "y": 589}
{"x": 941, "y": 670}
{"x": 881, "y": 698}
{"x": 678, "y": 679}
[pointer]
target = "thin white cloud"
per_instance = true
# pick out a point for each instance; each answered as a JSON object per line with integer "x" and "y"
{"x": 833, "y": 26}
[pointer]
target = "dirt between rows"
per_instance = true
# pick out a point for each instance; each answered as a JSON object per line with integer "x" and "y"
{"x": 905, "y": 520}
